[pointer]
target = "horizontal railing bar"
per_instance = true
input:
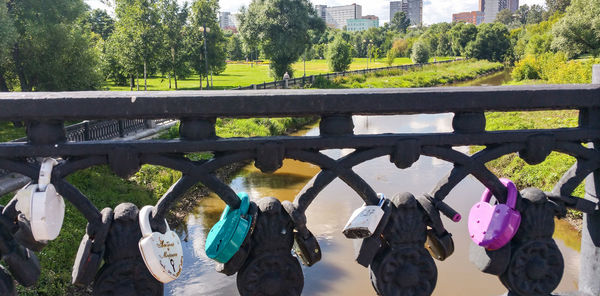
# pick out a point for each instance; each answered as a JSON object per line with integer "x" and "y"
{"x": 279, "y": 103}
{"x": 13, "y": 149}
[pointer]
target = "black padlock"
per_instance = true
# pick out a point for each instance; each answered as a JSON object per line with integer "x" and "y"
{"x": 493, "y": 262}
{"x": 7, "y": 285}
{"x": 24, "y": 235}
{"x": 19, "y": 227}
{"x": 439, "y": 242}
{"x": 22, "y": 263}
{"x": 91, "y": 251}
{"x": 370, "y": 246}
{"x": 239, "y": 258}
{"x": 306, "y": 247}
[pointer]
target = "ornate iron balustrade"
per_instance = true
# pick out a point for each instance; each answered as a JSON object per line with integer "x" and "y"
{"x": 530, "y": 265}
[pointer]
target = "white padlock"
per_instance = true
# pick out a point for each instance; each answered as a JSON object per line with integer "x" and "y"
{"x": 364, "y": 220}
{"x": 42, "y": 205}
{"x": 162, "y": 253}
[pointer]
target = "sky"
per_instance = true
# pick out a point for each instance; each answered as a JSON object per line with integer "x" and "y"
{"x": 434, "y": 11}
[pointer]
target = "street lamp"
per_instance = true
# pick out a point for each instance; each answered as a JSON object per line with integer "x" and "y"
{"x": 205, "y": 30}
{"x": 368, "y": 51}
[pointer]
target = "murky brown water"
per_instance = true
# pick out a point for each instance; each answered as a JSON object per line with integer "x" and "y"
{"x": 498, "y": 78}
{"x": 337, "y": 273}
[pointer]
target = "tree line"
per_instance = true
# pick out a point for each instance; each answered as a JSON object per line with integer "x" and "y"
{"x": 64, "y": 45}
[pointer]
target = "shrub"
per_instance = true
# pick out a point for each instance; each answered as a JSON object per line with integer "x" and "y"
{"x": 339, "y": 55}
{"x": 391, "y": 55}
{"x": 420, "y": 53}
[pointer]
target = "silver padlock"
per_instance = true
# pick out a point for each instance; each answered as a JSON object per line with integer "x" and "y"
{"x": 162, "y": 253}
{"x": 41, "y": 205}
{"x": 364, "y": 220}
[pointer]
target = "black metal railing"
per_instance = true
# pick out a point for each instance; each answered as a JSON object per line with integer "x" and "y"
{"x": 398, "y": 243}
{"x": 304, "y": 80}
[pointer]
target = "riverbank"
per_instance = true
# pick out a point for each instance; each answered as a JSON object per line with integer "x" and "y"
{"x": 427, "y": 76}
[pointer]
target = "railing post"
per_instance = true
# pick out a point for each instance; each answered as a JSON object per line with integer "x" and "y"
{"x": 149, "y": 123}
{"x": 121, "y": 128}
{"x": 86, "y": 130}
{"x": 590, "y": 236}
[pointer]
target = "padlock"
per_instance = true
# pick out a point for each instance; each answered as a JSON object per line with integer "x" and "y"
{"x": 7, "y": 285}
{"x": 162, "y": 253}
{"x": 91, "y": 250}
{"x": 439, "y": 243}
{"x": 306, "y": 247}
{"x": 17, "y": 225}
{"x": 22, "y": 262}
{"x": 492, "y": 227}
{"x": 227, "y": 235}
{"x": 41, "y": 205}
{"x": 490, "y": 261}
{"x": 237, "y": 261}
{"x": 364, "y": 220}
{"x": 370, "y": 246}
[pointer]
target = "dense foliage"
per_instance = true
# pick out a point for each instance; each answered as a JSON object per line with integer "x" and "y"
{"x": 420, "y": 53}
{"x": 339, "y": 55}
{"x": 282, "y": 29}
{"x": 46, "y": 45}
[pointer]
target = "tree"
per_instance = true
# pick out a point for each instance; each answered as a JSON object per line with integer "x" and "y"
{"x": 8, "y": 36}
{"x": 401, "y": 47}
{"x": 420, "y": 52}
{"x": 578, "y": 32}
{"x": 138, "y": 35}
{"x": 101, "y": 23}
{"x": 535, "y": 15}
{"x": 400, "y": 22}
{"x": 54, "y": 49}
{"x": 236, "y": 51}
{"x": 555, "y": 6}
{"x": 460, "y": 35}
{"x": 504, "y": 16}
{"x": 205, "y": 42}
{"x": 391, "y": 55}
{"x": 492, "y": 43}
{"x": 172, "y": 19}
{"x": 339, "y": 55}
{"x": 282, "y": 28}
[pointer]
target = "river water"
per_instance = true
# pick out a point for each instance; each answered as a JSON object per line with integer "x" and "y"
{"x": 337, "y": 273}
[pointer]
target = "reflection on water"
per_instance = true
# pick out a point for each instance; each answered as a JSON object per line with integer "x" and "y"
{"x": 494, "y": 79}
{"x": 337, "y": 274}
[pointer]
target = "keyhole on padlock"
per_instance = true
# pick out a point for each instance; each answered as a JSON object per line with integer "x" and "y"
{"x": 173, "y": 264}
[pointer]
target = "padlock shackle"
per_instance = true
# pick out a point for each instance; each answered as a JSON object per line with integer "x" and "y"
{"x": 511, "y": 199}
{"x": 144, "y": 221}
{"x": 46, "y": 172}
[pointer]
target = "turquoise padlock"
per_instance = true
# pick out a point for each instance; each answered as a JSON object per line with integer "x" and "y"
{"x": 227, "y": 236}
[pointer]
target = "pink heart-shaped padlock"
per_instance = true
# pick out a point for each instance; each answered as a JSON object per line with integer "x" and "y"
{"x": 492, "y": 227}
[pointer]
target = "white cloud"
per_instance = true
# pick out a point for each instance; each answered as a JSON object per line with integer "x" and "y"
{"x": 434, "y": 11}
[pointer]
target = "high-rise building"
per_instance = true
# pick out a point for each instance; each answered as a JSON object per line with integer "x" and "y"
{"x": 321, "y": 11}
{"x": 482, "y": 6}
{"x": 492, "y": 7}
{"x": 224, "y": 19}
{"x": 412, "y": 8}
{"x": 473, "y": 17}
{"x": 338, "y": 16}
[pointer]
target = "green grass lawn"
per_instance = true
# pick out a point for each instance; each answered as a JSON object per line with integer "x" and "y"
{"x": 9, "y": 132}
{"x": 245, "y": 74}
